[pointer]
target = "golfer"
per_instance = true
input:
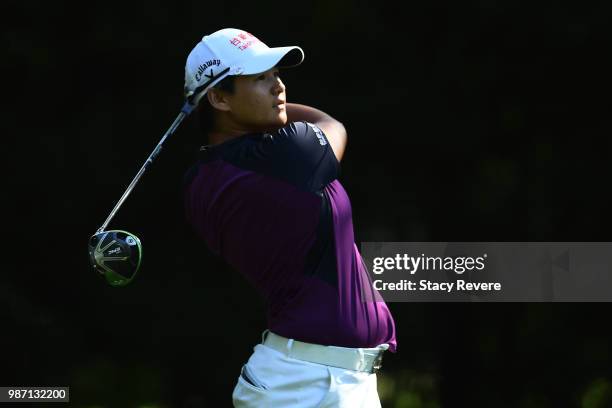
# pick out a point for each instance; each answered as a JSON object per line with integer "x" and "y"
{"x": 265, "y": 196}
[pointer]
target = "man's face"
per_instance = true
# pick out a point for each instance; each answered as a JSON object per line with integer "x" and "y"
{"x": 258, "y": 102}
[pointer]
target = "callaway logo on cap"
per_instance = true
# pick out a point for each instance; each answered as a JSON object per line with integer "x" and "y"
{"x": 232, "y": 52}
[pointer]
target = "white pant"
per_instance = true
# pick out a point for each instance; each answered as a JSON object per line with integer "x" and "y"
{"x": 271, "y": 379}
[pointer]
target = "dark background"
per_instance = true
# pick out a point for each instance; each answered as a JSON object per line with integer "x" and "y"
{"x": 467, "y": 121}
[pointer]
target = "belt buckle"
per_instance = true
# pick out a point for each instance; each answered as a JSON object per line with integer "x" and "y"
{"x": 377, "y": 363}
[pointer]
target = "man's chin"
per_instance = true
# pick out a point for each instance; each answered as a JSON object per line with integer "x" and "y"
{"x": 281, "y": 122}
{"x": 282, "y": 118}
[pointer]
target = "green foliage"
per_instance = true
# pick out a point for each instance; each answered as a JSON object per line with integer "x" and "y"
{"x": 408, "y": 389}
{"x": 598, "y": 394}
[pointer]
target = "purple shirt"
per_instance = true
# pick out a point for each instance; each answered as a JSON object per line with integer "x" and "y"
{"x": 272, "y": 207}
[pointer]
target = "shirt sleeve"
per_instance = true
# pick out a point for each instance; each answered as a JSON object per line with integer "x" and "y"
{"x": 301, "y": 154}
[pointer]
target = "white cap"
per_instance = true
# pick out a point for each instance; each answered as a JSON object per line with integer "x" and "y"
{"x": 232, "y": 52}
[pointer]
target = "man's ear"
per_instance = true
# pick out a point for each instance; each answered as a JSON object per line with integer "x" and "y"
{"x": 218, "y": 99}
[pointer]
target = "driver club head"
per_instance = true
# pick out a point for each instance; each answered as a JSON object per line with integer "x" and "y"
{"x": 116, "y": 255}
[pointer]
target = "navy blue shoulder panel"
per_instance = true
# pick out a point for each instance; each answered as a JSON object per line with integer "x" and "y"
{"x": 298, "y": 153}
{"x": 302, "y": 154}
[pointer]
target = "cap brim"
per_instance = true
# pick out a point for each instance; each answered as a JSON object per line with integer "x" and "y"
{"x": 261, "y": 61}
{"x": 282, "y": 57}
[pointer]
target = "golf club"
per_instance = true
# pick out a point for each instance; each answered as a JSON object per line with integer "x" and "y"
{"x": 117, "y": 254}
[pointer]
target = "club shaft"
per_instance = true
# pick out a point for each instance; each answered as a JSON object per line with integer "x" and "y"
{"x": 184, "y": 112}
